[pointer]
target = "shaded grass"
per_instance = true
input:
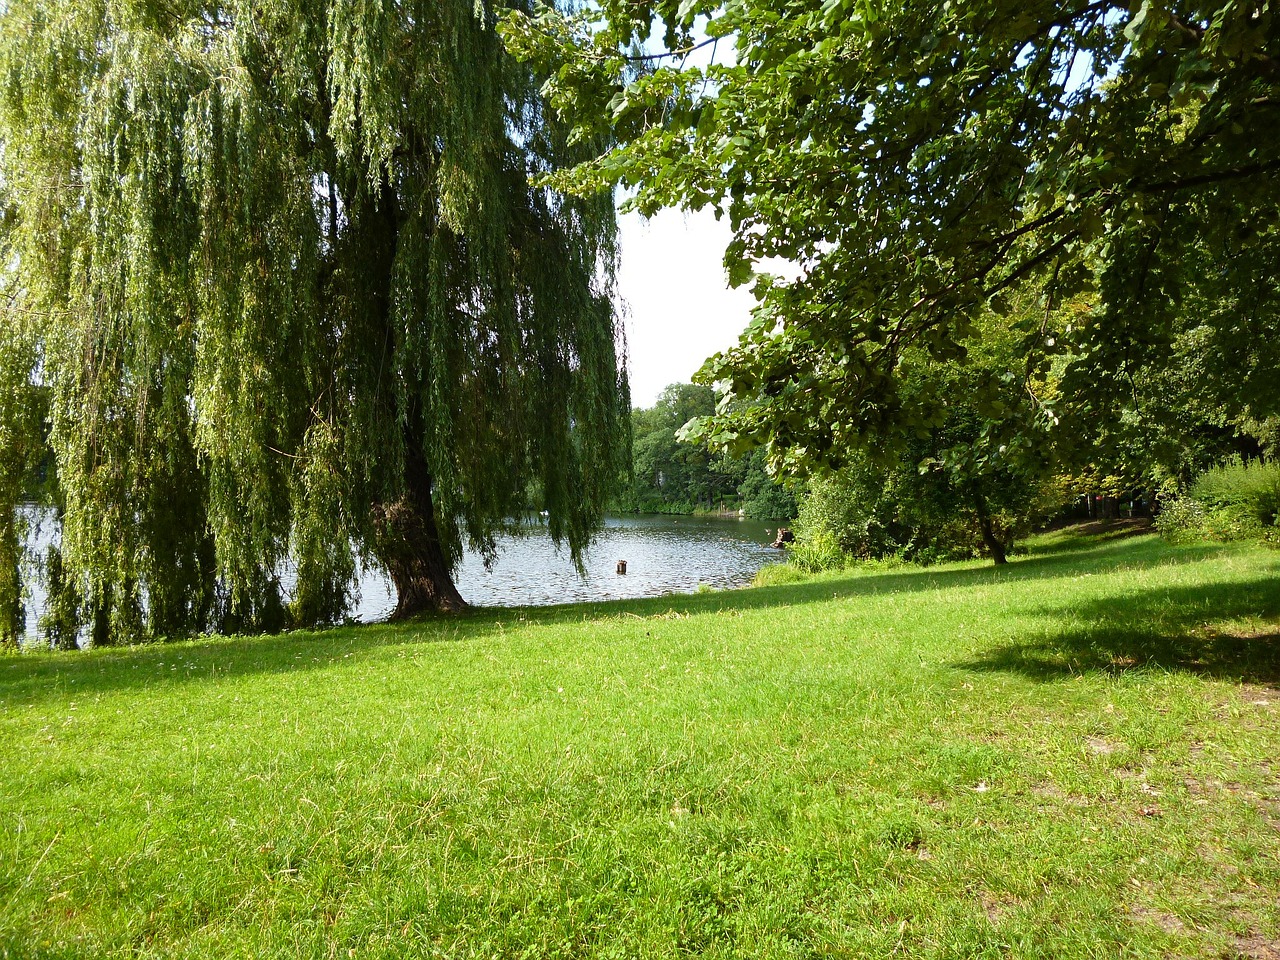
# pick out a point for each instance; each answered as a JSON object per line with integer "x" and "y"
{"x": 1074, "y": 756}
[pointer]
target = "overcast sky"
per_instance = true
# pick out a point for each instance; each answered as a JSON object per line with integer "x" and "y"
{"x": 680, "y": 308}
{"x": 672, "y": 281}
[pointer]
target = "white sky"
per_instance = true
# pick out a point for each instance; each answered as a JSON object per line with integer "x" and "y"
{"x": 680, "y": 309}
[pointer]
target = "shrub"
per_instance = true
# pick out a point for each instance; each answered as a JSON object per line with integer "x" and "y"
{"x": 816, "y": 551}
{"x": 1183, "y": 520}
{"x": 1234, "y": 501}
{"x": 1249, "y": 490}
{"x": 850, "y": 508}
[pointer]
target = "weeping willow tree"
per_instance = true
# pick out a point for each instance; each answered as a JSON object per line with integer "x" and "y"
{"x": 280, "y": 270}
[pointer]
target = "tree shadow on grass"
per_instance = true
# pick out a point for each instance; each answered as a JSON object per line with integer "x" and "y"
{"x": 1225, "y": 631}
{"x": 1096, "y": 531}
{"x": 36, "y": 676}
{"x": 31, "y": 678}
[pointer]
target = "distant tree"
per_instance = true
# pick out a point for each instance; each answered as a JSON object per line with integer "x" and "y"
{"x": 671, "y": 476}
{"x": 761, "y": 495}
{"x": 282, "y": 270}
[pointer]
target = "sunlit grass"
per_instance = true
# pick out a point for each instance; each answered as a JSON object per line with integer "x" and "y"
{"x": 1073, "y": 756}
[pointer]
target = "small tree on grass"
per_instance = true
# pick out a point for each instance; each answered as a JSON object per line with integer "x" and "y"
{"x": 970, "y": 482}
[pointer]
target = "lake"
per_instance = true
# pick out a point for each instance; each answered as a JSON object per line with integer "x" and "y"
{"x": 663, "y": 554}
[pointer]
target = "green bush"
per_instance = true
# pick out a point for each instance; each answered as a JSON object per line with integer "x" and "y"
{"x": 851, "y": 509}
{"x": 1249, "y": 490}
{"x": 1234, "y": 501}
{"x": 816, "y": 551}
{"x": 1183, "y": 520}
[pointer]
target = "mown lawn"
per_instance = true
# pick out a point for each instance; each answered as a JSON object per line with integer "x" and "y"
{"x": 1076, "y": 756}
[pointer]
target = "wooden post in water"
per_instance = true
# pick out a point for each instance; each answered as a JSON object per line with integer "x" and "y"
{"x": 622, "y": 566}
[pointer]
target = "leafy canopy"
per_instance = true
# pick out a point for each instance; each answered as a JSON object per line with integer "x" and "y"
{"x": 919, "y": 160}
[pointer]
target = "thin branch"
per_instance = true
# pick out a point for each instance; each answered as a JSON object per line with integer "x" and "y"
{"x": 1040, "y": 258}
{"x": 683, "y": 52}
{"x": 1048, "y": 299}
{"x": 291, "y": 456}
{"x": 1217, "y": 176}
{"x": 1005, "y": 238}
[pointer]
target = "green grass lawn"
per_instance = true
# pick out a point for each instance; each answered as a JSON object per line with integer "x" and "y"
{"x": 1076, "y": 756}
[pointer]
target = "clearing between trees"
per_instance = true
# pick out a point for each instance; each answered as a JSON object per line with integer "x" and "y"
{"x": 1070, "y": 756}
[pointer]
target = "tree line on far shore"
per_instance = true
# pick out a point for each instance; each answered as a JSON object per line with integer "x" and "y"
{"x": 671, "y": 476}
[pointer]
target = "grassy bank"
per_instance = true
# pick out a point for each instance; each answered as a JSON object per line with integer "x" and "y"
{"x": 1076, "y": 756}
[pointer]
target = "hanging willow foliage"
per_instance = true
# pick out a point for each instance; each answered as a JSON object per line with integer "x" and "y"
{"x": 280, "y": 269}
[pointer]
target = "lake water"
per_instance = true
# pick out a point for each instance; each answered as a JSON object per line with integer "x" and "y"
{"x": 663, "y": 554}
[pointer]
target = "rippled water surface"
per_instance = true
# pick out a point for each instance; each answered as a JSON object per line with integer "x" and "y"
{"x": 663, "y": 554}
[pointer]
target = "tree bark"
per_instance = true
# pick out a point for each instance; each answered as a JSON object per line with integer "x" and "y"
{"x": 409, "y": 546}
{"x": 989, "y": 538}
{"x": 408, "y": 540}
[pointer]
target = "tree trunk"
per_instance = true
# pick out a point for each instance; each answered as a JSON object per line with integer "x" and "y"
{"x": 409, "y": 546}
{"x": 408, "y": 540}
{"x": 989, "y": 538}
